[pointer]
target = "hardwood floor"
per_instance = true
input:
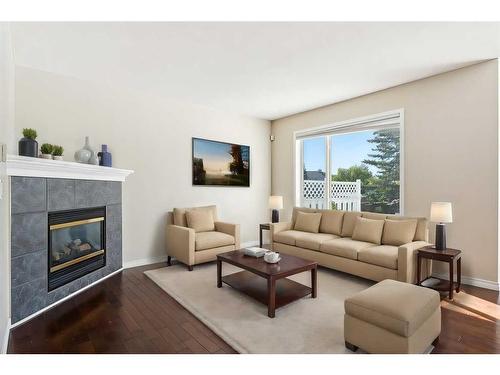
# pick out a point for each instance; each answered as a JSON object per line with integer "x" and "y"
{"x": 128, "y": 313}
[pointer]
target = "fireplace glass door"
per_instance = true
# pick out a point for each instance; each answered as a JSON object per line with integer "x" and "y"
{"x": 76, "y": 244}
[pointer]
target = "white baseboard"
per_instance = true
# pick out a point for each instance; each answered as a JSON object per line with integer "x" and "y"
{"x": 144, "y": 261}
{"x": 487, "y": 284}
{"x": 5, "y": 341}
{"x": 63, "y": 299}
{"x": 163, "y": 258}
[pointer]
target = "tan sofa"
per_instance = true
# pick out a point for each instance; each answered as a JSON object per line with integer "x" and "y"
{"x": 194, "y": 235}
{"x": 377, "y": 257}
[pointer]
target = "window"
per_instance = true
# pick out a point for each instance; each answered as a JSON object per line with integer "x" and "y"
{"x": 354, "y": 165}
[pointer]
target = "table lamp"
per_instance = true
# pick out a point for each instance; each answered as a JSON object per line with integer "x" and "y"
{"x": 441, "y": 214}
{"x": 275, "y": 203}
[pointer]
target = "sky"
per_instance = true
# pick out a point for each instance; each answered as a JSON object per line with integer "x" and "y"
{"x": 215, "y": 155}
{"x": 346, "y": 150}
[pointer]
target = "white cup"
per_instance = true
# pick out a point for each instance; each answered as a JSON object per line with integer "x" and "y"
{"x": 271, "y": 257}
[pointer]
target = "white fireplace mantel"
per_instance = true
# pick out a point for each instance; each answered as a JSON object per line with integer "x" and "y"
{"x": 34, "y": 167}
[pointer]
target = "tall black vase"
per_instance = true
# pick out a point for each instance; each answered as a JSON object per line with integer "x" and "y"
{"x": 28, "y": 147}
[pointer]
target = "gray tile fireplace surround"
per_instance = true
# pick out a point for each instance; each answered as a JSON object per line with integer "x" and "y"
{"x": 31, "y": 200}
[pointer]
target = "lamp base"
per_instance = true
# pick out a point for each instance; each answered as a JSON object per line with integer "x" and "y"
{"x": 440, "y": 236}
{"x": 275, "y": 216}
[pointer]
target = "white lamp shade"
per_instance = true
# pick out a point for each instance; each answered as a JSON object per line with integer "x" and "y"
{"x": 276, "y": 202}
{"x": 441, "y": 212}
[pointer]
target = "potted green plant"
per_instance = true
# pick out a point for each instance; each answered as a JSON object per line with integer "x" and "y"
{"x": 28, "y": 146}
{"x": 57, "y": 152}
{"x": 46, "y": 150}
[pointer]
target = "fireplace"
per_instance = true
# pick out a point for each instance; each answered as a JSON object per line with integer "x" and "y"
{"x": 77, "y": 244}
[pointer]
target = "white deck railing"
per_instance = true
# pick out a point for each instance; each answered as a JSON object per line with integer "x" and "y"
{"x": 345, "y": 195}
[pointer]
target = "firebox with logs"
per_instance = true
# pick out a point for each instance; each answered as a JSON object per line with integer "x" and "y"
{"x": 76, "y": 244}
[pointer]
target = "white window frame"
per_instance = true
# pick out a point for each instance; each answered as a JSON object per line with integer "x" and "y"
{"x": 385, "y": 120}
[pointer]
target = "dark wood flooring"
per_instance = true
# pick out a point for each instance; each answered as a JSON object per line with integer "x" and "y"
{"x": 128, "y": 313}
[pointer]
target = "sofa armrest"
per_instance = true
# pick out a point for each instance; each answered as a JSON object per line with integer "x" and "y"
{"x": 231, "y": 229}
{"x": 407, "y": 262}
{"x": 279, "y": 227}
{"x": 180, "y": 243}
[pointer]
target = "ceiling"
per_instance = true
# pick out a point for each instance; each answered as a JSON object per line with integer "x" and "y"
{"x": 263, "y": 70}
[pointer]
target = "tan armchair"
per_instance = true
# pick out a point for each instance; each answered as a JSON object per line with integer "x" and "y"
{"x": 201, "y": 242}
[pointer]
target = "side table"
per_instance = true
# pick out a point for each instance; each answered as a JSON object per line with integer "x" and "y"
{"x": 262, "y": 227}
{"x": 447, "y": 255}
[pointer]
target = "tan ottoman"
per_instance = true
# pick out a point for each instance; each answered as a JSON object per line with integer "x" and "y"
{"x": 392, "y": 317}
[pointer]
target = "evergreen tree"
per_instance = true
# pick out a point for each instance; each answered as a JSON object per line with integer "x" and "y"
{"x": 383, "y": 195}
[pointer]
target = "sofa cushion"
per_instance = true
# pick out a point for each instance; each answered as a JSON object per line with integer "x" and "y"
{"x": 374, "y": 216}
{"x": 296, "y": 210}
{"x": 312, "y": 241}
{"x": 209, "y": 240}
{"x": 344, "y": 247}
{"x": 368, "y": 230}
{"x": 179, "y": 214}
{"x": 288, "y": 236}
{"x": 331, "y": 222}
{"x": 398, "y": 307}
{"x": 349, "y": 222}
{"x": 383, "y": 256}
{"x": 398, "y": 232}
{"x": 200, "y": 220}
{"x": 307, "y": 222}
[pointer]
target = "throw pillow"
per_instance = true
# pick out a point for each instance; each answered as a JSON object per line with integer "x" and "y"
{"x": 331, "y": 222}
{"x": 349, "y": 223}
{"x": 307, "y": 222}
{"x": 200, "y": 220}
{"x": 368, "y": 230}
{"x": 399, "y": 232}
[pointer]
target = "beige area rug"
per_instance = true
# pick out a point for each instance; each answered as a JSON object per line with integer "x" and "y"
{"x": 305, "y": 326}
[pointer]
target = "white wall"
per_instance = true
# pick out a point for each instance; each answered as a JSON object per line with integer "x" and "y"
{"x": 451, "y": 154}
{"x": 6, "y": 130}
{"x": 152, "y": 136}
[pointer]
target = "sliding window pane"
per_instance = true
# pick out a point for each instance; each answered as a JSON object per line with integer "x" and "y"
{"x": 314, "y": 177}
{"x": 365, "y": 171}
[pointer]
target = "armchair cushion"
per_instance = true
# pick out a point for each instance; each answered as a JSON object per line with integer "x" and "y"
{"x": 200, "y": 220}
{"x": 210, "y": 240}
{"x": 179, "y": 214}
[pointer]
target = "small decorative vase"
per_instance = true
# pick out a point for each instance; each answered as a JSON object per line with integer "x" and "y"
{"x": 93, "y": 158}
{"x": 104, "y": 156}
{"x": 57, "y": 157}
{"x": 28, "y": 147}
{"x": 83, "y": 155}
{"x": 46, "y": 156}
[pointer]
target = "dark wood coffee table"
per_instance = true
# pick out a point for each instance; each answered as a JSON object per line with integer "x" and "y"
{"x": 267, "y": 283}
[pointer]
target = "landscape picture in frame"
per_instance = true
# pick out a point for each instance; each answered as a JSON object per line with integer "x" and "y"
{"x": 220, "y": 163}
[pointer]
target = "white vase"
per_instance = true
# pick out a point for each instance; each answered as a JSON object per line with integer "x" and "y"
{"x": 83, "y": 155}
{"x": 46, "y": 156}
{"x": 57, "y": 157}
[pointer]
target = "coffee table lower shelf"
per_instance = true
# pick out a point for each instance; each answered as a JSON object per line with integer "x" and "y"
{"x": 255, "y": 286}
